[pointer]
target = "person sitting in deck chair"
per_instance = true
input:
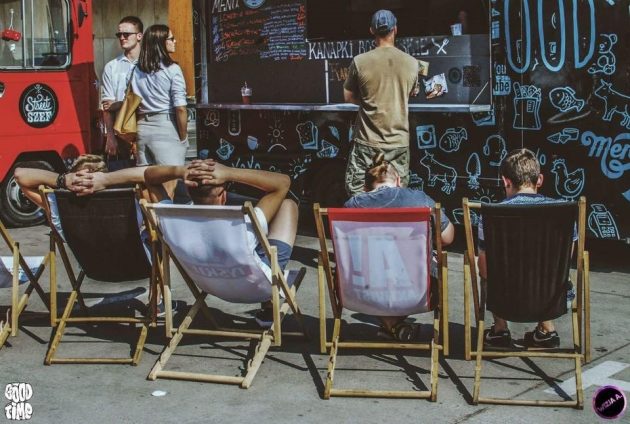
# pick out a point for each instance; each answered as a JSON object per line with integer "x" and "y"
{"x": 278, "y": 216}
{"x": 383, "y": 190}
{"x": 520, "y": 172}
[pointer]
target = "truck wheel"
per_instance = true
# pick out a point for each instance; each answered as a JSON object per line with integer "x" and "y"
{"x": 328, "y": 186}
{"x": 16, "y": 209}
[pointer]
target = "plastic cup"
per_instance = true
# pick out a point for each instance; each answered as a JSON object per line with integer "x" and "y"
{"x": 246, "y": 94}
{"x": 456, "y": 29}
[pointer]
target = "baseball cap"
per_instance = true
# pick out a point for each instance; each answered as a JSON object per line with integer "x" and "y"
{"x": 383, "y": 21}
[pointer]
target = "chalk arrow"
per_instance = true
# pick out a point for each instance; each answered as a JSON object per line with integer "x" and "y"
{"x": 597, "y": 376}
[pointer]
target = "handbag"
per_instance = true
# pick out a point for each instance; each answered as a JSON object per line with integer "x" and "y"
{"x": 126, "y": 125}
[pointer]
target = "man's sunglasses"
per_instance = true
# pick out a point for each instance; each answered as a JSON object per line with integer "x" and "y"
{"x": 125, "y": 34}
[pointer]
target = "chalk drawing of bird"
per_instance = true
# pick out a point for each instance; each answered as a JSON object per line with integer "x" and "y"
{"x": 569, "y": 185}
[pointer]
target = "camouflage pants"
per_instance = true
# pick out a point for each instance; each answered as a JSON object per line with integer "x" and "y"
{"x": 360, "y": 160}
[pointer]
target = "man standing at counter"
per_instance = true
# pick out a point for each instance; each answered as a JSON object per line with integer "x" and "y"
{"x": 380, "y": 82}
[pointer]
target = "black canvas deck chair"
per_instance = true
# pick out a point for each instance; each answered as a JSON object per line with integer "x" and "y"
{"x": 209, "y": 247}
{"x": 15, "y": 270}
{"x": 382, "y": 268}
{"x": 528, "y": 254}
{"x": 103, "y": 232}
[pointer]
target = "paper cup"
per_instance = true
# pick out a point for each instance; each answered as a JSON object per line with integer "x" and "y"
{"x": 456, "y": 29}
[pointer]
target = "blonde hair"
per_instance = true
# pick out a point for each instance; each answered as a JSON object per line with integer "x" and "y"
{"x": 380, "y": 172}
{"x": 92, "y": 163}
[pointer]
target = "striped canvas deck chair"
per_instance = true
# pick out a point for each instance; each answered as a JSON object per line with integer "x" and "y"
{"x": 209, "y": 246}
{"x": 528, "y": 259}
{"x": 103, "y": 232}
{"x": 16, "y": 270}
{"x": 382, "y": 268}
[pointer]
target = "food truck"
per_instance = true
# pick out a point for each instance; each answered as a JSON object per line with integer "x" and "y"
{"x": 551, "y": 76}
{"x": 47, "y": 93}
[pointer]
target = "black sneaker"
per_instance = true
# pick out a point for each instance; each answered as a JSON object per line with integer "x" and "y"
{"x": 264, "y": 317}
{"x": 538, "y": 338}
{"x": 501, "y": 339}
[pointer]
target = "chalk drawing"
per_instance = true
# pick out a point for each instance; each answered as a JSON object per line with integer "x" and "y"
{"x": 568, "y": 184}
{"x": 602, "y": 223}
{"x": 439, "y": 172}
{"x": 473, "y": 169}
{"x": 308, "y": 134}
{"x": 425, "y": 135}
{"x": 225, "y": 149}
{"x": 567, "y": 134}
{"x": 606, "y": 62}
{"x": 527, "y": 100}
{"x": 615, "y": 102}
{"x": 495, "y": 149}
{"x": 452, "y": 139}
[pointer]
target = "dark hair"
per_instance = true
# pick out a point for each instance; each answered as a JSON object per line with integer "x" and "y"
{"x": 202, "y": 194}
{"x": 380, "y": 171}
{"x": 134, "y": 20}
{"x": 153, "y": 53}
{"x": 521, "y": 167}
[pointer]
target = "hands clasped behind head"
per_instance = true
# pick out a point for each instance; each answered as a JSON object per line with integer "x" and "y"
{"x": 201, "y": 172}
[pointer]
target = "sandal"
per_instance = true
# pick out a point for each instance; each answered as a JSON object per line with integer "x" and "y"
{"x": 404, "y": 332}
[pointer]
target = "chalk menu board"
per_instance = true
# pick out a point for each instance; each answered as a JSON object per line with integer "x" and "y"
{"x": 263, "y": 43}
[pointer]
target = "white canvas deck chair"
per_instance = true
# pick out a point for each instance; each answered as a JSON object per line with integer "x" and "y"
{"x": 528, "y": 259}
{"x": 209, "y": 246}
{"x": 103, "y": 232}
{"x": 15, "y": 270}
{"x": 382, "y": 259}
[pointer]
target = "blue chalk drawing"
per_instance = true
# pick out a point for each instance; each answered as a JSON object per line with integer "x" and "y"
{"x": 458, "y": 217}
{"x": 567, "y": 134}
{"x": 483, "y": 119}
{"x": 542, "y": 158}
{"x": 439, "y": 171}
{"x": 606, "y": 62}
{"x": 250, "y": 164}
{"x": 473, "y": 169}
{"x": 527, "y": 100}
{"x": 415, "y": 182}
{"x": 495, "y": 149}
{"x": 335, "y": 132}
{"x": 440, "y": 46}
{"x": 308, "y": 134}
{"x": 568, "y": 185}
{"x": 328, "y": 150}
{"x": 225, "y": 149}
{"x": 541, "y": 35}
{"x": 508, "y": 37}
{"x": 425, "y": 135}
{"x": 452, "y": 139}
{"x": 252, "y": 142}
{"x": 564, "y": 99}
{"x": 602, "y": 223}
{"x": 592, "y": 27}
{"x": 627, "y": 195}
{"x": 614, "y": 154}
{"x": 615, "y": 102}
{"x": 299, "y": 166}
{"x": 502, "y": 82}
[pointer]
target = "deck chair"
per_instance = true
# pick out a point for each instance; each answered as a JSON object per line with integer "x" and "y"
{"x": 382, "y": 259}
{"x": 14, "y": 271}
{"x": 103, "y": 232}
{"x": 208, "y": 245}
{"x": 528, "y": 255}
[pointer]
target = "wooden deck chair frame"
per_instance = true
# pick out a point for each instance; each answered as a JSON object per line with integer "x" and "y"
{"x": 580, "y": 318}
{"x": 57, "y": 244}
{"x": 18, "y": 303}
{"x": 326, "y": 280}
{"x": 265, "y": 338}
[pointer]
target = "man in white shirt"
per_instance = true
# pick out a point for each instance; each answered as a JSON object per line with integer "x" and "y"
{"x": 116, "y": 75}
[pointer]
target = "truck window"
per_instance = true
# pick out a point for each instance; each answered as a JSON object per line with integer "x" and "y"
{"x": 350, "y": 19}
{"x": 34, "y": 34}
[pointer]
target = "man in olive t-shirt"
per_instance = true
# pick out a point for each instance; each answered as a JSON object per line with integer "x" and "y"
{"x": 380, "y": 82}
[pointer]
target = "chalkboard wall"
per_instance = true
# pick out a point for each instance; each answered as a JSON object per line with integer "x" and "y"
{"x": 267, "y": 48}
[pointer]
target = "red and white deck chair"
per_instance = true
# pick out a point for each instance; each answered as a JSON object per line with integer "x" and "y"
{"x": 14, "y": 271}
{"x": 382, "y": 259}
{"x": 209, "y": 246}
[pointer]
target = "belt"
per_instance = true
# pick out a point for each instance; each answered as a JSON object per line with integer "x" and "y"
{"x": 156, "y": 116}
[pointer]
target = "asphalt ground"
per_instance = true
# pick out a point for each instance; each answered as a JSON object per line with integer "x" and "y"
{"x": 289, "y": 384}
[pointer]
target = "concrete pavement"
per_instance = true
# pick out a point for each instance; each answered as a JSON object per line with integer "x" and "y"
{"x": 289, "y": 384}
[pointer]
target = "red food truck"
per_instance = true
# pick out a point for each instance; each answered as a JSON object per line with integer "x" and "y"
{"x": 552, "y": 76}
{"x": 48, "y": 94}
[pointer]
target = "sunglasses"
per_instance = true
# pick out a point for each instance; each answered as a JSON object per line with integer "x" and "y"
{"x": 124, "y": 34}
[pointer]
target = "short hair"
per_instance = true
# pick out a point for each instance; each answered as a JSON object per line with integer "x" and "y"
{"x": 380, "y": 171}
{"x": 134, "y": 20}
{"x": 92, "y": 163}
{"x": 204, "y": 194}
{"x": 521, "y": 167}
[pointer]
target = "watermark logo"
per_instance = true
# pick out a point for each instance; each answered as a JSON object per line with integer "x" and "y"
{"x": 18, "y": 407}
{"x": 609, "y": 402}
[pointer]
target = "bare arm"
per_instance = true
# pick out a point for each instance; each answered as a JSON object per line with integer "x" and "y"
{"x": 160, "y": 174}
{"x": 90, "y": 182}
{"x": 181, "y": 115}
{"x": 29, "y": 179}
{"x": 274, "y": 184}
{"x": 349, "y": 97}
{"x": 448, "y": 235}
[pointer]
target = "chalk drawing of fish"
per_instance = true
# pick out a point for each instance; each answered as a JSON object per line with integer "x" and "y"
{"x": 563, "y": 98}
